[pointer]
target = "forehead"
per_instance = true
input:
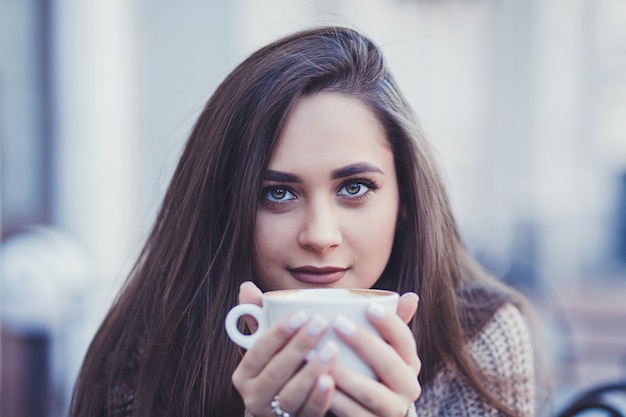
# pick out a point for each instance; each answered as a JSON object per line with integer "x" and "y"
{"x": 330, "y": 128}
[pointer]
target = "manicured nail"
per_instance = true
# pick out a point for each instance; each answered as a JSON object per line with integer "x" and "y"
{"x": 344, "y": 325}
{"x": 246, "y": 284}
{"x": 316, "y": 325}
{"x": 376, "y": 310}
{"x": 324, "y": 382}
{"x": 297, "y": 320}
{"x": 328, "y": 352}
{"x": 311, "y": 355}
{"x": 411, "y": 294}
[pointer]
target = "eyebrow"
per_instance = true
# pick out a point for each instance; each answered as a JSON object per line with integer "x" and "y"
{"x": 343, "y": 172}
{"x": 358, "y": 168}
{"x": 279, "y": 176}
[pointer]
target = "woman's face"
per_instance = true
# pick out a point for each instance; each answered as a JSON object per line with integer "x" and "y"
{"x": 329, "y": 201}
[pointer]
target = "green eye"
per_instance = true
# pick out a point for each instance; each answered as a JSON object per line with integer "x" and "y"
{"x": 353, "y": 188}
{"x": 278, "y": 193}
{"x": 356, "y": 188}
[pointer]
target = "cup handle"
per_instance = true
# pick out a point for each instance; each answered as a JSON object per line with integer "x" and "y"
{"x": 244, "y": 340}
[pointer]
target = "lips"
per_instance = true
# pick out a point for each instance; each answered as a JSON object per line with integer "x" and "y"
{"x": 318, "y": 275}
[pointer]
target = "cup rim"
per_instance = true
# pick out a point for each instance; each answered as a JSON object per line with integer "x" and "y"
{"x": 378, "y": 294}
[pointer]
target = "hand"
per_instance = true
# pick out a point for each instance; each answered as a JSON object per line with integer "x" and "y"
{"x": 393, "y": 358}
{"x": 274, "y": 365}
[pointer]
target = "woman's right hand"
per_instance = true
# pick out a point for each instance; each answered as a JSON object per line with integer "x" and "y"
{"x": 278, "y": 365}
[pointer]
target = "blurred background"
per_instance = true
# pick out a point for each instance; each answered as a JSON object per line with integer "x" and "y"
{"x": 523, "y": 100}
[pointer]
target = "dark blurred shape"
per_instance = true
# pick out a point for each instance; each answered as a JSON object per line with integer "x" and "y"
{"x": 25, "y": 373}
{"x": 620, "y": 221}
{"x": 609, "y": 398}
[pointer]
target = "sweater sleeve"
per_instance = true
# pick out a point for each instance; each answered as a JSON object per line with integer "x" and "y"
{"x": 503, "y": 350}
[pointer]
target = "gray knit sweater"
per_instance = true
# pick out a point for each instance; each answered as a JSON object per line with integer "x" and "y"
{"x": 504, "y": 350}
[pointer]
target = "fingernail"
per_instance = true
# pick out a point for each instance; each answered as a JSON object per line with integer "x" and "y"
{"x": 297, "y": 320}
{"x": 324, "y": 382}
{"x": 411, "y": 293}
{"x": 246, "y": 283}
{"x": 344, "y": 325}
{"x": 316, "y": 325}
{"x": 328, "y": 352}
{"x": 311, "y": 355}
{"x": 376, "y": 310}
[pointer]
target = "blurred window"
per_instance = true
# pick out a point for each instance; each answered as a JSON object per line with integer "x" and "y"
{"x": 25, "y": 113}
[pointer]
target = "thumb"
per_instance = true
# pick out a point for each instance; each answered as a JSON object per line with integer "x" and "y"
{"x": 407, "y": 306}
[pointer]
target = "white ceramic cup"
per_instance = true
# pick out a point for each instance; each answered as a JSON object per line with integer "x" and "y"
{"x": 327, "y": 302}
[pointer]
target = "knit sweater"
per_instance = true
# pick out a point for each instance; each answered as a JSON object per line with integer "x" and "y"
{"x": 504, "y": 351}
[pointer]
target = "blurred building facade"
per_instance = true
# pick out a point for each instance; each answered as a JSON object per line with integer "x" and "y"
{"x": 524, "y": 101}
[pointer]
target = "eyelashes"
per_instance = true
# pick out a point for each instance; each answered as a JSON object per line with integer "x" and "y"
{"x": 277, "y": 193}
{"x": 352, "y": 190}
{"x": 356, "y": 188}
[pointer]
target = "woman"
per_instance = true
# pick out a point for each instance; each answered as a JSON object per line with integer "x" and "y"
{"x": 307, "y": 168}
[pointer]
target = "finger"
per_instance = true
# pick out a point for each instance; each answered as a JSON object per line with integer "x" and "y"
{"x": 368, "y": 394}
{"x": 397, "y": 369}
{"x": 344, "y": 406}
{"x": 300, "y": 391}
{"x": 285, "y": 364}
{"x": 407, "y": 306}
{"x": 320, "y": 399}
{"x": 273, "y": 360}
{"x": 264, "y": 349}
{"x": 250, "y": 294}
{"x": 396, "y": 333}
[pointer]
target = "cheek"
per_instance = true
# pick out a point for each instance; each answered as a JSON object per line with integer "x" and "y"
{"x": 270, "y": 239}
{"x": 378, "y": 240}
{"x": 374, "y": 235}
{"x": 380, "y": 219}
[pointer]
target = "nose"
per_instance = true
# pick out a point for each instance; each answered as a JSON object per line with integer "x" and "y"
{"x": 320, "y": 230}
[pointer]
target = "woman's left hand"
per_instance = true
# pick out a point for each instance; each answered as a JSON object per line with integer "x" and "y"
{"x": 392, "y": 356}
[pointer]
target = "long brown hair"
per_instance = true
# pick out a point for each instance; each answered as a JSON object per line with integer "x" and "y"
{"x": 162, "y": 349}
